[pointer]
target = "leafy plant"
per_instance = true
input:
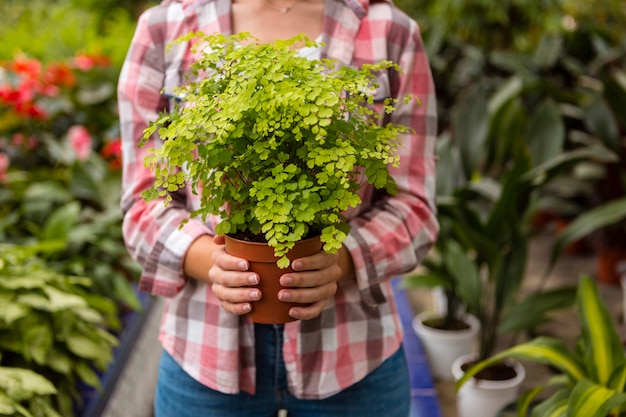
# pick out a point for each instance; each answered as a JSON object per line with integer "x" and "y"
{"x": 274, "y": 143}
{"x": 25, "y": 393}
{"x": 591, "y": 377}
{"x": 59, "y": 167}
{"x": 51, "y": 324}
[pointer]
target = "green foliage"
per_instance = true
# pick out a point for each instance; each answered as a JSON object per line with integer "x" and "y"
{"x": 57, "y": 30}
{"x": 274, "y": 143}
{"x": 25, "y": 393}
{"x": 591, "y": 377}
{"x": 486, "y": 200}
{"x": 58, "y": 186}
{"x": 51, "y": 324}
{"x": 531, "y": 98}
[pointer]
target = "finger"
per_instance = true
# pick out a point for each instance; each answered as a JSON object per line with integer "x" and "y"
{"x": 228, "y": 262}
{"x": 237, "y": 309}
{"x": 311, "y": 278}
{"x": 319, "y": 260}
{"x": 308, "y": 295}
{"x": 308, "y": 312}
{"x": 232, "y": 279}
{"x": 239, "y": 295}
{"x": 219, "y": 239}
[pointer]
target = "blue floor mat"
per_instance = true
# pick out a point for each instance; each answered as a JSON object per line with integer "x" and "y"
{"x": 423, "y": 392}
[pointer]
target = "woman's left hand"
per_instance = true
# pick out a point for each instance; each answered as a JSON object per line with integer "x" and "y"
{"x": 313, "y": 283}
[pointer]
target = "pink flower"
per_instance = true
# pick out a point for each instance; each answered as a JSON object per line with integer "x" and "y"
{"x": 4, "y": 166}
{"x": 80, "y": 140}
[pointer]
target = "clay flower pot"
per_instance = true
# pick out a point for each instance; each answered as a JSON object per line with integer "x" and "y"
{"x": 260, "y": 256}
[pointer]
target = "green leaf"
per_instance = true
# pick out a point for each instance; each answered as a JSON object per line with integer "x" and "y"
{"x": 600, "y": 120}
{"x": 546, "y": 133}
{"x": 532, "y": 310}
{"x": 38, "y": 340}
{"x": 84, "y": 346}
{"x": 471, "y": 124}
{"x": 526, "y": 400}
{"x": 465, "y": 274}
{"x": 555, "y": 406}
{"x": 61, "y": 221}
{"x": 426, "y": 280}
{"x": 7, "y": 405}
{"x": 589, "y": 399}
{"x": 21, "y": 384}
{"x": 61, "y": 300}
{"x": 87, "y": 375}
{"x": 588, "y": 222}
{"x": 11, "y": 312}
{"x": 603, "y": 349}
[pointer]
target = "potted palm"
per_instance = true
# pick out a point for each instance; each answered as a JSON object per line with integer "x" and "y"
{"x": 590, "y": 378}
{"x": 276, "y": 145}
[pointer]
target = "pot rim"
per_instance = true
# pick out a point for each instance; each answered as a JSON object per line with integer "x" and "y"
{"x": 420, "y": 328}
{"x": 489, "y": 384}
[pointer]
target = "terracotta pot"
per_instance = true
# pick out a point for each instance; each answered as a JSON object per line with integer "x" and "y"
{"x": 260, "y": 256}
{"x": 610, "y": 264}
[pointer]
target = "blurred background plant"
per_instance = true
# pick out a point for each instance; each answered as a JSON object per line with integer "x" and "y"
{"x": 66, "y": 280}
{"x": 523, "y": 83}
{"x": 53, "y": 325}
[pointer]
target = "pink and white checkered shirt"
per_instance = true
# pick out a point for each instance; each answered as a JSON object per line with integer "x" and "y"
{"x": 360, "y": 328}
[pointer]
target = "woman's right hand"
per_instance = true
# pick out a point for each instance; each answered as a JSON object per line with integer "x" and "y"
{"x": 231, "y": 281}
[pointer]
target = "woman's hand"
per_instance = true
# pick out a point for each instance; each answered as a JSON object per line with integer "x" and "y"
{"x": 312, "y": 283}
{"x": 231, "y": 281}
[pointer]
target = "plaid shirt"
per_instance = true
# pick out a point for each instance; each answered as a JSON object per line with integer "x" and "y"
{"x": 360, "y": 328}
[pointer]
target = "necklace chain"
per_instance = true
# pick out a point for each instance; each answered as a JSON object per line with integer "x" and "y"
{"x": 282, "y": 10}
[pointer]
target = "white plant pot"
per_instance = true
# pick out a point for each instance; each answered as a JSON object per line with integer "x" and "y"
{"x": 442, "y": 347}
{"x": 482, "y": 397}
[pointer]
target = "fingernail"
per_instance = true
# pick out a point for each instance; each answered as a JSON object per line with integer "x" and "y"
{"x": 296, "y": 265}
{"x": 255, "y": 294}
{"x": 243, "y": 265}
{"x": 253, "y": 280}
{"x": 247, "y": 308}
{"x": 286, "y": 280}
{"x": 284, "y": 296}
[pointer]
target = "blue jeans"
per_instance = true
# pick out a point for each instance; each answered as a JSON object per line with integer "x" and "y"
{"x": 385, "y": 392}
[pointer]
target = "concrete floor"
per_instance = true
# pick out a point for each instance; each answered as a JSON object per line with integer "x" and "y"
{"x": 564, "y": 324}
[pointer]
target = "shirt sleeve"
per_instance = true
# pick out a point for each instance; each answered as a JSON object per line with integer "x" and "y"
{"x": 394, "y": 235}
{"x": 151, "y": 231}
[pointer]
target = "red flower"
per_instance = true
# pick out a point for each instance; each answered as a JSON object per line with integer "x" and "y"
{"x": 112, "y": 152}
{"x": 27, "y": 68}
{"x": 59, "y": 75}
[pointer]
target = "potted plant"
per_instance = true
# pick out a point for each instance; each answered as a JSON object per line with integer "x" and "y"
{"x": 448, "y": 331}
{"x": 590, "y": 379}
{"x": 486, "y": 205}
{"x": 276, "y": 145}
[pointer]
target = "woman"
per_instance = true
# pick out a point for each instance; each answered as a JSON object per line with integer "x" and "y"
{"x": 343, "y": 355}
